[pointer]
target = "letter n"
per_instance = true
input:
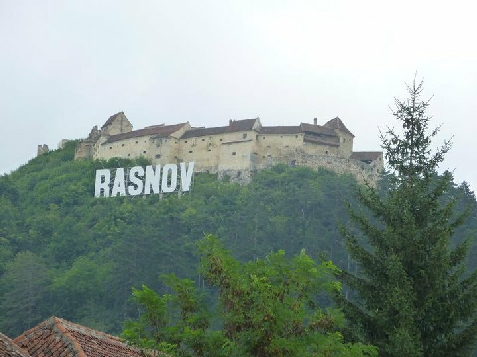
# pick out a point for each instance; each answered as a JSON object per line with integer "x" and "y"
{"x": 152, "y": 179}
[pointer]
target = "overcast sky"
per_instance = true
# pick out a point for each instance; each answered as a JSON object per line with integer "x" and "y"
{"x": 66, "y": 66}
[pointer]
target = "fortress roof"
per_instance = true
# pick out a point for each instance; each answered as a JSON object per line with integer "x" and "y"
{"x": 111, "y": 119}
{"x": 234, "y": 126}
{"x": 196, "y": 132}
{"x": 366, "y": 156}
{"x": 242, "y": 125}
{"x": 56, "y": 337}
{"x": 336, "y": 123}
{"x": 323, "y": 140}
{"x": 159, "y": 131}
{"x": 10, "y": 349}
{"x": 302, "y": 128}
{"x": 310, "y": 130}
{"x": 281, "y": 130}
{"x": 317, "y": 129}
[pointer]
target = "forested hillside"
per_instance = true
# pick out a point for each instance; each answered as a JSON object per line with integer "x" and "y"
{"x": 65, "y": 253}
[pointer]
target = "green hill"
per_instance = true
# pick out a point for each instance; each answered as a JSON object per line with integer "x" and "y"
{"x": 65, "y": 253}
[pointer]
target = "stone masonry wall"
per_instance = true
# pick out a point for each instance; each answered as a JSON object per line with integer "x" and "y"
{"x": 237, "y": 154}
{"x": 363, "y": 172}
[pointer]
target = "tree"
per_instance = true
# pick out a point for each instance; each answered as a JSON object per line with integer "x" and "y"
{"x": 24, "y": 290}
{"x": 267, "y": 307}
{"x": 81, "y": 292}
{"x": 412, "y": 294}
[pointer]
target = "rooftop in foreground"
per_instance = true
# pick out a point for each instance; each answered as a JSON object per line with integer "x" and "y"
{"x": 57, "y": 337}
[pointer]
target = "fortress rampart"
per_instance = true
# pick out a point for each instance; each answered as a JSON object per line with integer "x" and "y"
{"x": 237, "y": 150}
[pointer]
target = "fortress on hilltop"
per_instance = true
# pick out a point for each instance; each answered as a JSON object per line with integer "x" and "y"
{"x": 237, "y": 150}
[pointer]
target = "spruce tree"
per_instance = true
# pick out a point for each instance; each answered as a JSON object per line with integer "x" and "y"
{"x": 411, "y": 294}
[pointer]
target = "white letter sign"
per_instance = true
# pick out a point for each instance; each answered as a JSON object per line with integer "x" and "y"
{"x": 102, "y": 183}
{"x": 135, "y": 175}
{"x": 139, "y": 180}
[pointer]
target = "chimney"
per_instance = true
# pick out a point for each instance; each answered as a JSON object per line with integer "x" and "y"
{"x": 315, "y": 121}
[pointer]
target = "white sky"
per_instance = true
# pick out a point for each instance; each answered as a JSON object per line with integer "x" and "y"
{"x": 66, "y": 66}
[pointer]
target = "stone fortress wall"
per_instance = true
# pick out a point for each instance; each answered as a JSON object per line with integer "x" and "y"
{"x": 237, "y": 150}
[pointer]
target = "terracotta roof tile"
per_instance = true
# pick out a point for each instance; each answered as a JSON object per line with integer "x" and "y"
{"x": 366, "y": 155}
{"x": 234, "y": 126}
{"x": 323, "y": 140}
{"x": 56, "y": 337}
{"x": 244, "y": 124}
{"x": 160, "y": 131}
{"x": 281, "y": 130}
{"x": 336, "y": 123}
{"x": 10, "y": 349}
{"x": 198, "y": 132}
{"x": 302, "y": 128}
{"x": 317, "y": 129}
{"x": 111, "y": 119}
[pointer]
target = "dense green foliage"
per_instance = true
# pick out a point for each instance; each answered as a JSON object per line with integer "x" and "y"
{"x": 89, "y": 252}
{"x": 65, "y": 253}
{"x": 268, "y": 307}
{"x": 414, "y": 295}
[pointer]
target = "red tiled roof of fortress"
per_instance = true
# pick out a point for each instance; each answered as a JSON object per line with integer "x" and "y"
{"x": 281, "y": 130}
{"x": 366, "y": 155}
{"x": 323, "y": 140}
{"x": 161, "y": 131}
{"x": 111, "y": 119}
{"x": 336, "y": 123}
{"x": 234, "y": 126}
{"x": 318, "y": 129}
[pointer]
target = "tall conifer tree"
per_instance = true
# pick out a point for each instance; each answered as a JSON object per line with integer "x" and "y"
{"x": 412, "y": 294}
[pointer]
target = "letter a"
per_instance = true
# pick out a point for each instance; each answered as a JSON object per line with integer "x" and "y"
{"x": 119, "y": 186}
